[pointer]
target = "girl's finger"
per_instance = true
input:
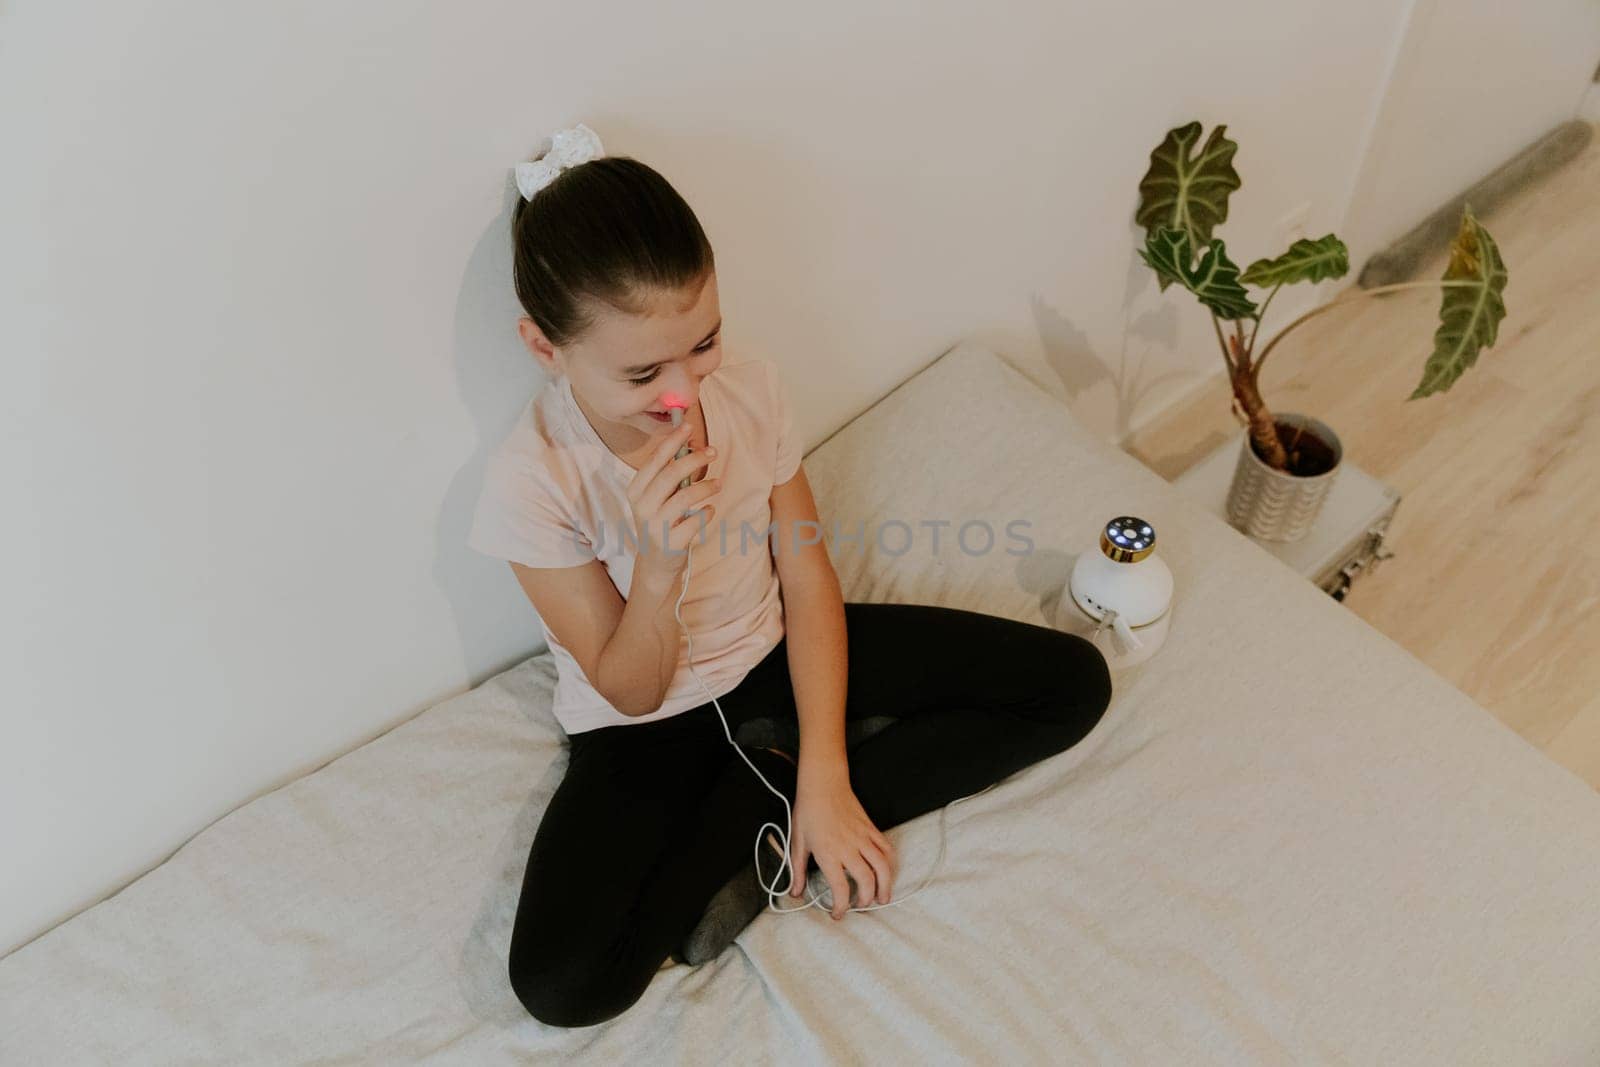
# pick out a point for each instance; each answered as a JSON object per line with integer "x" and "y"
{"x": 885, "y": 872}
{"x": 840, "y": 889}
{"x": 662, "y": 455}
{"x": 696, "y": 494}
{"x": 866, "y": 880}
{"x": 655, "y": 486}
{"x": 798, "y": 872}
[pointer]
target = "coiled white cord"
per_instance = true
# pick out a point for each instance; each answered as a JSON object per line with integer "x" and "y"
{"x": 773, "y": 893}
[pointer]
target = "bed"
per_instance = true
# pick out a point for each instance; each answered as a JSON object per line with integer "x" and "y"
{"x": 1288, "y": 841}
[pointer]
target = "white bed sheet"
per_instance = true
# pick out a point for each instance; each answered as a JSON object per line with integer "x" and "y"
{"x": 1287, "y": 842}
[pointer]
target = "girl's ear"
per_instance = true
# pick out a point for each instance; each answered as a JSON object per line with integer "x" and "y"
{"x": 535, "y": 340}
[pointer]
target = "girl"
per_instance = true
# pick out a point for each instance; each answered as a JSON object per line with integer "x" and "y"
{"x": 862, "y": 715}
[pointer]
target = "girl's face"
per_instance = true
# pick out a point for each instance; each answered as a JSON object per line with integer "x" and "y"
{"x": 626, "y": 367}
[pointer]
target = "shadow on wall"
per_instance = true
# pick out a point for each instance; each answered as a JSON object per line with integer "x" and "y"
{"x": 495, "y": 378}
{"x": 1150, "y": 328}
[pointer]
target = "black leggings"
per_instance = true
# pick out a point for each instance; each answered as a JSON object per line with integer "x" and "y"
{"x": 650, "y": 820}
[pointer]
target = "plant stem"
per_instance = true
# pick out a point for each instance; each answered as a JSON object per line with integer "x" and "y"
{"x": 1256, "y": 329}
{"x": 1314, "y": 312}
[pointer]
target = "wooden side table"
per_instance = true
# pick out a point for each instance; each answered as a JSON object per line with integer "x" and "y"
{"x": 1345, "y": 541}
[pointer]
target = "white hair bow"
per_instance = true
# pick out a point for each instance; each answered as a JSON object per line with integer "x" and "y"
{"x": 568, "y": 148}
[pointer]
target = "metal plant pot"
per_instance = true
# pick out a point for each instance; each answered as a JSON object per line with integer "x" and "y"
{"x": 1275, "y": 505}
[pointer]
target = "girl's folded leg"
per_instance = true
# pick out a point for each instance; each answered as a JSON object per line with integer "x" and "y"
{"x": 720, "y": 843}
{"x": 642, "y": 832}
{"x": 976, "y": 698}
{"x": 582, "y": 945}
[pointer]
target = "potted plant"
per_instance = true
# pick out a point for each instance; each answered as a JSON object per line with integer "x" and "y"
{"x": 1288, "y": 462}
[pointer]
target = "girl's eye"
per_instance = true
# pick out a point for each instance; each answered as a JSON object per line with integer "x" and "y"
{"x": 647, "y": 379}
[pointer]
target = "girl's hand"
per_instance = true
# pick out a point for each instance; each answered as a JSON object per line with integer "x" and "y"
{"x": 830, "y": 824}
{"x": 659, "y": 505}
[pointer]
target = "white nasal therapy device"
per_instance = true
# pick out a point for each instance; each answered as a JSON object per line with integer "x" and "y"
{"x": 773, "y": 893}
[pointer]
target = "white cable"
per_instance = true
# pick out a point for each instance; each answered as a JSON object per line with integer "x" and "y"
{"x": 774, "y": 894}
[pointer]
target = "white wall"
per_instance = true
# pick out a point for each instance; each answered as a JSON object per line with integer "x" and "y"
{"x": 258, "y": 336}
{"x": 1474, "y": 83}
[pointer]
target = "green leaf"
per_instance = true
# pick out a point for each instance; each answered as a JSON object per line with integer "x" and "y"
{"x": 1471, "y": 309}
{"x": 1215, "y": 279}
{"x": 1306, "y": 261}
{"x": 1185, "y": 192}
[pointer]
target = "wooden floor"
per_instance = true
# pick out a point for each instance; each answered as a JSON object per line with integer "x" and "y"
{"x": 1495, "y": 582}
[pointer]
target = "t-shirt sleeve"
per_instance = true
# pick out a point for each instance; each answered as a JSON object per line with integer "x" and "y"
{"x": 520, "y": 518}
{"x": 783, "y": 418}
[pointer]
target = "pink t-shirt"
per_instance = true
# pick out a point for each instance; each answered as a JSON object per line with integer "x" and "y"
{"x": 555, "y": 496}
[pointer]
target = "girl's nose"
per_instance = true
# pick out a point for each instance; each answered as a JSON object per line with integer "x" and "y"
{"x": 678, "y": 386}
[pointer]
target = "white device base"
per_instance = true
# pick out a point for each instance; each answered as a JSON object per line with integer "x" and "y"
{"x": 1072, "y": 618}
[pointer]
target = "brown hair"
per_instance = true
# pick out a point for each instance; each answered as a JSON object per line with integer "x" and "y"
{"x": 610, "y": 231}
